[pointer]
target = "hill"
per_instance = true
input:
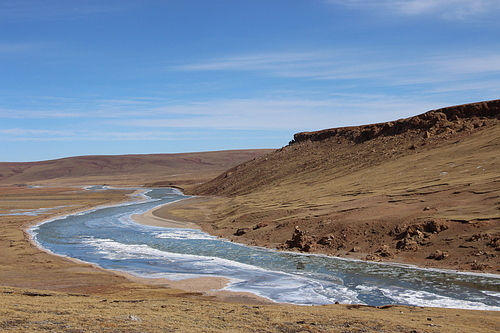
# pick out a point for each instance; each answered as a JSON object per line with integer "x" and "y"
{"x": 181, "y": 170}
{"x": 423, "y": 190}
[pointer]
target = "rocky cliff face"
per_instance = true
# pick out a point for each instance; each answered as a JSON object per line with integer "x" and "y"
{"x": 347, "y": 149}
{"x": 419, "y": 189}
{"x": 447, "y": 120}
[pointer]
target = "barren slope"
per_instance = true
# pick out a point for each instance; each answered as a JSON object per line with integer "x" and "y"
{"x": 424, "y": 190}
{"x": 131, "y": 170}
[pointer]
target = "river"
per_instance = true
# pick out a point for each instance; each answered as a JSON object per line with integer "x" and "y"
{"x": 109, "y": 237}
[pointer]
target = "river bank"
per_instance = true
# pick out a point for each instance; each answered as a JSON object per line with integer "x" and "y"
{"x": 202, "y": 209}
{"x": 43, "y": 292}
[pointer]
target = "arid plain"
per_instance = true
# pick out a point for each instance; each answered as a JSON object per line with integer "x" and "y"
{"x": 427, "y": 189}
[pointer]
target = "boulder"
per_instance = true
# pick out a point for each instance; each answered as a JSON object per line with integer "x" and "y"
{"x": 438, "y": 255}
{"x": 407, "y": 244}
{"x": 241, "y": 231}
{"x": 299, "y": 241}
{"x": 327, "y": 240}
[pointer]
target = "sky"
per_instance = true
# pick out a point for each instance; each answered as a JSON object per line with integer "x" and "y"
{"x": 110, "y": 77}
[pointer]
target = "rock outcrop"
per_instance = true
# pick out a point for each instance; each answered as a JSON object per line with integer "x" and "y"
{"x": 399, "y": 190}
{"x": 451, "y": 119}
{"x": 299, "y": 241}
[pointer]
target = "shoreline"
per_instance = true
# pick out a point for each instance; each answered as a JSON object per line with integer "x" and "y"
{"x": 212, "y": 287}
{"x": 167, "y": 220}
{"x": 154, "y": 217}
{"x": 43, "y": 291}
{"x": 208, "y": 286}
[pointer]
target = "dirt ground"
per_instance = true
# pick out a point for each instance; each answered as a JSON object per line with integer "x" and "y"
{"x": 41, "y": 292}
{"x": 423, "y": 190}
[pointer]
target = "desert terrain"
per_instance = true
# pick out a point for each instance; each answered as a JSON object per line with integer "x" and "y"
{"x": 41, "y": 292}
{"x": 182, "y": 170}
{"x": 422, "y": 190}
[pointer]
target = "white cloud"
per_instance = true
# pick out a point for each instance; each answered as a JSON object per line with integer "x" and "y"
{"x": 332, "y": 64}
{"x": 261, "y": 61}
{"x": 21, "y": 48}
{"x": 34, "y": 10}
{"x": 449, "y": 9}
{"x": 277, "y": 114}
{"x": 471, "y": 64}
{"x": 25, "y": 132}
{"x": 381, "y": 67}
{"x": 43, "y": 114}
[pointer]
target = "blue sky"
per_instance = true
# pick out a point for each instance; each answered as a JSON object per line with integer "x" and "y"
{"x": 85, "y": 77}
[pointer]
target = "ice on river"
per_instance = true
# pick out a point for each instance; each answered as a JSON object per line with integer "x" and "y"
{"x": 109, "y": 238}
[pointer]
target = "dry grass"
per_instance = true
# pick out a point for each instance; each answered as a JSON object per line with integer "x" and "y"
{"x": 40, "y": 311}
{"x": 40, "y": 292}
{"x": 184, "y": 170}
{"x": 358, "y": 193}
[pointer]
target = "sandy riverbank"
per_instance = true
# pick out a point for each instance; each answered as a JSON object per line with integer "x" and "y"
{"x": 211, "y": 287}
{"x": 161, "y": 216}
{"x": 41, "y": 292}
{"x": 207, "y": 286}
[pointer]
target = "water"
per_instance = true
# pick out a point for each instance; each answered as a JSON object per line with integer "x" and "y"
{"x": 110, "y": 238}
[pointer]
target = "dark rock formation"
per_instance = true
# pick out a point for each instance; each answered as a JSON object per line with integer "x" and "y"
{"x": 241, "y": 231}
{"x": 451, "y": 119}
{"x": 438, "y": 255}
{"x": 300, "y": 241}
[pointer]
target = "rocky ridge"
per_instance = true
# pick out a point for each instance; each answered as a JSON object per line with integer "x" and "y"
{"x": 443, "y": 121}
{"x": 423, "y": 190}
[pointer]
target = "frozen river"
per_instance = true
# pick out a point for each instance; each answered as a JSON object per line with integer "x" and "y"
{"x": 110, "y": 238}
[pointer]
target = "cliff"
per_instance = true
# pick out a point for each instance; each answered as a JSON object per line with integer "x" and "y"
{"x": 422, "y": 190}
{"x": 447, "y": 120}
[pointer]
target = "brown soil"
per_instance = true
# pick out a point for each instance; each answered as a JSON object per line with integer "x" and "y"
{"x": 429, "y": 184}
{"x": 41, "y": 292}
{"x": 423, "y": 190}
{"x": 182, "y": 170}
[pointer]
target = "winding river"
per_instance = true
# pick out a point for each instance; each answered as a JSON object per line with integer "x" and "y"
{"x": 110, "y": 238}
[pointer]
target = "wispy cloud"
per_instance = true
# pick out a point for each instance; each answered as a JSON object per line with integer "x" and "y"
{"x": 473, "y": 64}
{"x": 360, "y": 64}
{"x": 33, "y": 10}
{"x": 21, "y": 132}
{"x": 26, "y": 134}
{"x": 43, "y": 114}
{"x": 449, "y": 9}
{"x": 15, "y": 49}
{"x": 279, "y": 114}
{"x": 336, "y": 64}
{"x": 261, "y": 61}
{"x": 169, "y": 121}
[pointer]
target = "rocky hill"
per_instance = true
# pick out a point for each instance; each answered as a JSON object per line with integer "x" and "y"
{"x": 181, "y": 170}
{"x": 423, "y": 190}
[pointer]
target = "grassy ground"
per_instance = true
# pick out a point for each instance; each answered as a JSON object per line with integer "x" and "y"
{"x": 40, "y": 292}
{"x": 372, "y": 200}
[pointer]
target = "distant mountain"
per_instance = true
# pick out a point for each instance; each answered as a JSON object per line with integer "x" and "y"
{"x": 421, "y": 187}
{"x": 181, "y": 170}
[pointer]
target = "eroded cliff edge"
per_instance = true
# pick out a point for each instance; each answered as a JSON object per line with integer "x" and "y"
{"x": 424, "y": 190}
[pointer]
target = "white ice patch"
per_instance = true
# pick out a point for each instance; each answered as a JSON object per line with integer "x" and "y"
{"x": 277, "y": 286}
{"x": 424, "y": 298}
{"x": 31, "y": 212}
{"x": 366, "y": 288}
{"x": 491, "y": 293}
{"x": 118, "y": 251}
{"x": 183, "y": 234}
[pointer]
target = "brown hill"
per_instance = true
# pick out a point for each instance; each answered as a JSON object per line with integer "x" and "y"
{"x": 181, "y": 170}
{"x": 425, "y": 190}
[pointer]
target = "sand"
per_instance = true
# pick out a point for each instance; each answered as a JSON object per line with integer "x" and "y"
{"x": 161, "y": 217}
{"x": 207, "y": 286}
